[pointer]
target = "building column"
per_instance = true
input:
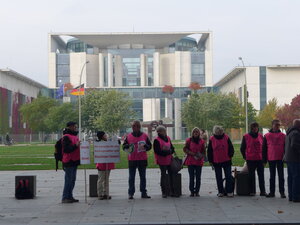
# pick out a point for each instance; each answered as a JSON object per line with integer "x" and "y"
{"x": 110, "y": 75}
{"x": 101, "y": 70}
{"x": 169, "y": 115}
{"x": 156, "y": 69}
{"x": 178, "y": 123}
{"x": 151, "y": 109}
{"x": 143, "y": 70}
{"x": 119, "y": 71}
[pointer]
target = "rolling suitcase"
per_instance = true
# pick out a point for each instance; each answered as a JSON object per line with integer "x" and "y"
{"x": 242, "y": 183}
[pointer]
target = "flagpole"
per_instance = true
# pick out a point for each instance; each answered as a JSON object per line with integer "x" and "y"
{"x": 79, "y": 109}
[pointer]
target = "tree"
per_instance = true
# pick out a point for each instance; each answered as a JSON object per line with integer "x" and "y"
{"x": 107, "y": 110}
{"x": 59, "y": 115}
{"x": 34, "y": 113}
{"x": 268, "y": 114}
{"x": 209, "y": 109}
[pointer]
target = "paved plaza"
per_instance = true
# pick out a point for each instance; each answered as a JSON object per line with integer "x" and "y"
{"x": 46, "y": 208}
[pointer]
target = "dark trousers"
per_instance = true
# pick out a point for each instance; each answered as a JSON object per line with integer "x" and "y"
{"x": 131, "y": 181}
{"x": 164, "y": 184}
{"x": 70, "y": 178}
{"x": 228, "y": 178}
{"x": 294, "y": 180}
{"x": 272, "y": 167}
{"x": 259, "y": 167}
{"x": 195, "y": 173}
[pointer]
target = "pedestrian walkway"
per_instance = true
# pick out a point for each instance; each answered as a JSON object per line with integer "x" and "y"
{"x": 46, "y": 208}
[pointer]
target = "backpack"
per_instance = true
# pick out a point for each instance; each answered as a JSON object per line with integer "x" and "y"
{"x": 58, "y": 152}
{"x": 22, "y": 190}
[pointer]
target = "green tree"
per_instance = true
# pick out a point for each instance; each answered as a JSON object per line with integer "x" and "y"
{"x": 268, "y": 114}
{"x": 59, "y": 115}
{"x": 107, "y": 110}
{"x": 35, "y": 113}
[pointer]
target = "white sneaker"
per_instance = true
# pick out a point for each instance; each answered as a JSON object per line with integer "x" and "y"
{"x": 230, "y": 195}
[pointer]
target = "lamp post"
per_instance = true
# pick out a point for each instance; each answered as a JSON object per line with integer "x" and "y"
{"x": 246, "y": 95}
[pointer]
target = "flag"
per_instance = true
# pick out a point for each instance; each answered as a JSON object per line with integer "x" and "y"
{"x": 68, "y": 86}
{"x": 78, "y": 90}
{"x": 60, "y": 92}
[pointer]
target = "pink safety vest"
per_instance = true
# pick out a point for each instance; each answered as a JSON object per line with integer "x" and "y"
{"x": 220, "y": 149}
{"x": 136, "y": 155}
{"x": 75, "y": 155}
{"x": 253, "y": 147}
{"x": 105, "y": 166}
{"x": 194, "y": 147}
{"x": 164, "y": 146}
{"x": 275, "y": 142}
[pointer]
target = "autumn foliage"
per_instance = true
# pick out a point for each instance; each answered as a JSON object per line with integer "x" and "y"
{"x": 195, "y": 86}
{"x": 168, "y": 89}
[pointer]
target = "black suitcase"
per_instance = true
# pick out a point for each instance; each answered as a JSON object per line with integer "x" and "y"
{"x": 177, "y": 184}
{"x": 242, "y": 186}
{"x": 93, "y": 185}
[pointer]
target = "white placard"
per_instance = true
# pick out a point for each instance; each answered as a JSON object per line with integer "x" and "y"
{"x": 106, "y": 152}
{"x": 85, "y": 153}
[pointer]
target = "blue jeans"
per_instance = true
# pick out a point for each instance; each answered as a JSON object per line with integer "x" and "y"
{"x": 195, "y": 172}
{"x": 294, "y": 181}
{"x": 131, "y": 181}
{"x": 228, "y": 178}
{"x": 70, "y": 178}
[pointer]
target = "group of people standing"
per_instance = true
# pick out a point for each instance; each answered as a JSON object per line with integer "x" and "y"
{"x": 274, "y": 148}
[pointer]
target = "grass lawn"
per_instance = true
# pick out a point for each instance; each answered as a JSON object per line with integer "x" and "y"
{"x": 40, "y": 157}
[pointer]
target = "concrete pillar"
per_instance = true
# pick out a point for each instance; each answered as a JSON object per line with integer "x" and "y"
{"x": 186, "y": 69}
{"x": 143, "y": 70}
{"x": 178, "y": 73}
{"x": 169, "y": 115}
{"x": 178, "y": 122}
{"x": 151, "y": 109}
{"x": 101, "y": 70}
{"x": 118, "y": 71}
{"x": 110, "y": 70}
{"x": 208, "y": 62}
{"x": 156, "y": 69}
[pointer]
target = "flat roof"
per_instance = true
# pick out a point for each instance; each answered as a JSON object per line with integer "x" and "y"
{"x": 151, "y": 39}
{"x": 21, "y": 77}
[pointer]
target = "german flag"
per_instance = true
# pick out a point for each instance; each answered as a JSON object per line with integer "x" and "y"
{"x": 78, "y": 90}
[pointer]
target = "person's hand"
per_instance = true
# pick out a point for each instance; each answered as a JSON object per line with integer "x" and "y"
{"x": 78, "y": 143}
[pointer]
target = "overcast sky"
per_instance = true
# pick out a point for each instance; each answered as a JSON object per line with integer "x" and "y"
{"x": 263, "y": 32}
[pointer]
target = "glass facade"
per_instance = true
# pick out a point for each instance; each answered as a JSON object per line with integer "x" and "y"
{"x": 62, "y": 69}
{"x": 198, "y": 67}
{"x": 262, "y": 86}
{"x": 75, "y": 45}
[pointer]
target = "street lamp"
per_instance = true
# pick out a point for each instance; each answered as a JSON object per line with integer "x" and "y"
{"x": 246, "y": 94}
{"x": 79, "y": 99}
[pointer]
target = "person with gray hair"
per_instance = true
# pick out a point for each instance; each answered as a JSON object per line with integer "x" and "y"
{"x": 220, "y": 152}
{"x": 163, "y": 150}
{"x": 292, "y": 158}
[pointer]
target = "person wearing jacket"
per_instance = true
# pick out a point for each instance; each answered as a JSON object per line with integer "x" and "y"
{"x": 70, "y": 160}
{"x": 194, "y": 149}
{"x": 273, "y": 151}
{"x": 251, "y": 149}
{"x": 137, "y": 159}
{"x": 292, "y": 158}
{"x": 163, "y": 150}
{"x": 220, "y": 151}
{"x": 103, "y": 173}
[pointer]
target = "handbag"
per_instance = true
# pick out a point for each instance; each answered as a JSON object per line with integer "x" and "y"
{"x": 176, "y": 164}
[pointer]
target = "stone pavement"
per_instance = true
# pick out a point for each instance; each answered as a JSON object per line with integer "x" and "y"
{"x": 208, "y": 209}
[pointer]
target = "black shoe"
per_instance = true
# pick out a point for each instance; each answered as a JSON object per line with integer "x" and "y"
{"x": 270, "y": 195}
{"x": 192, "y": 195}
{"x": 296, "y": 201}
{"x": 130, "y": 197}
{"x": 196, "y": 195}
{"x": 263, "y": 194}
{"x": 145, "y": 196}
{"x": 164, "y": 196}
{"x": 106, "y": 197}
{"x": 282, "y": 195}
{"x": 67, "y": 200}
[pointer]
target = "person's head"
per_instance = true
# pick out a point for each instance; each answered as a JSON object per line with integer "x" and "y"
{"x": 161, "y": 130}
{"x": 218, "y": 130}
{"x": 196, "y": 132}
{"x": 102, "y": 136}
{"x": 136, "y": 126}
{"x": 296, "y": 123}
{"x": 254, "y": 127}
{"x": 276, "y": 125}
{"x": 202, "y": 131}
{"x": 72, "y": 126}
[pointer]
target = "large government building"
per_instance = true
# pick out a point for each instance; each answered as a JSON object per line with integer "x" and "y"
{"x": 140, "y": 64}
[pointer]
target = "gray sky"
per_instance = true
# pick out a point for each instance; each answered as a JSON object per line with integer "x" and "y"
{"x": 263, "y": 32}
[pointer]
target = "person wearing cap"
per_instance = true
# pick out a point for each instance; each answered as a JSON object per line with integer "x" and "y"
{"x": 140, "y": 143}
{"x": 220, "y": 152}
{"x": 70, "y": 160}
{"x": 163, "y": 150}
{"x": 194, "y": 149}
{"x": 103, "y": 172}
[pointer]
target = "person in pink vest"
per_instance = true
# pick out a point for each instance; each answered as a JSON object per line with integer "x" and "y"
{"x": 251, "y": 149}
{"x": 220, "y": 152}
{"x": 70, "y": 160}
{"x": 103, "y": 173}
{"x": 137, "y": 144}
{"x": 163, "y": 150}
{"x": 273, "y": 152}
{"x": 194, "y": 149}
